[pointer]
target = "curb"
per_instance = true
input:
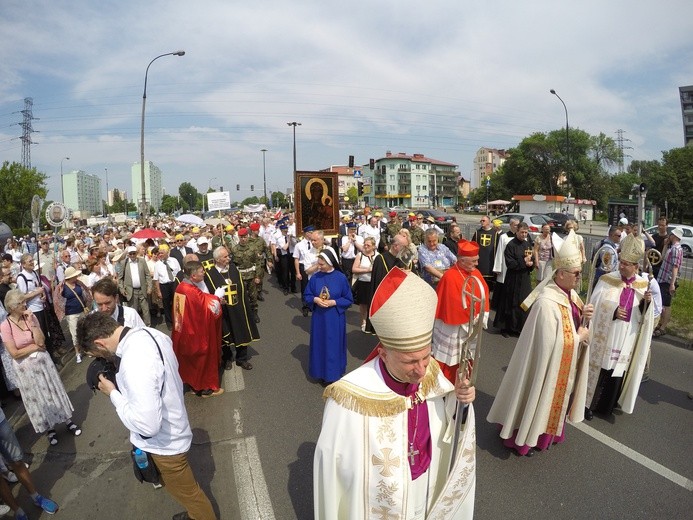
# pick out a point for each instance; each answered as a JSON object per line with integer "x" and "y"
{"x": 674, "y": 341}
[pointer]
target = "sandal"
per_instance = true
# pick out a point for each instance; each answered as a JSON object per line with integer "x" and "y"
{"x": 658, "y": 332}
{"x": 76, "y": 430}
{"x": 52, "y": 439}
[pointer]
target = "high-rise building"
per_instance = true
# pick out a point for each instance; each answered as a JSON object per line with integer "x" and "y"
{"x": 122, "y": 194}
{"x": 686, "y": 94}
{"x": 83, "y": 193}
{"x": 486, "y": 161}
{"x": 152, "y": 184}
{"x": 411, "y": 181}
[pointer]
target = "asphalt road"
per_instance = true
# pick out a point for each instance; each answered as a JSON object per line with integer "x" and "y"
{"x": 253, "y": 445}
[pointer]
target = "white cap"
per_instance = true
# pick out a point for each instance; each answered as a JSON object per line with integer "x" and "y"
{"x": 677, "y": 232}
{"x": 202, "y": 240}
{"x": 132, "y": 249}
{"x": 623, "y": 221}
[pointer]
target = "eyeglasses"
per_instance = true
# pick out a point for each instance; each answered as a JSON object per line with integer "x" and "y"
{"x": 576, "y": 274}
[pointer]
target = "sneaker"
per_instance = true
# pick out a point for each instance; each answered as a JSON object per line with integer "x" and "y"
{"x": 46, "y": 504}
{"x": 10, "y": 477}
{"x": 52, "y": 439}
{"x": 363, "y": 327}
{"x": 4, "y": 509}
{"x": 76, "y": 430}
{"x": 78, "y": 358}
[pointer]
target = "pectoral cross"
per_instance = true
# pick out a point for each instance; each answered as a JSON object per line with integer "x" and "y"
{"x": 231, "y": 294}
{"x": 412, "y": 453}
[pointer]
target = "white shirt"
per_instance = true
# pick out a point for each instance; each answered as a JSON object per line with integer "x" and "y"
{"x": 300, "y": 252}
{"x": 149, "y": 399}
{"x": 192, "y": 244}
{"x": 135, "y": 274}
{"x": 130, "y": 316}
{"x": 371, "y": 231}
{"x": 280, "y": 243}
{"x": 350, "y": 253}
{"x": 28, "y": 281}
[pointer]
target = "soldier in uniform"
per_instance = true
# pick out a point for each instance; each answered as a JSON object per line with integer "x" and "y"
{"x": 237, "y": 329}
{"x": 392, "y": 228}
{"x": 416, "y": 230}
{"x": 264, "y": 255}
{"x": 249, "y": 264}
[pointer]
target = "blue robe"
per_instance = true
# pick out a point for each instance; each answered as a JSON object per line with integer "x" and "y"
{"x": 328, "y": 353}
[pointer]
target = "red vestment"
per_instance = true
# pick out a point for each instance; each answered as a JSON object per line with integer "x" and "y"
{"x": 450, "y": 310}
{"x": 197, "y": 336}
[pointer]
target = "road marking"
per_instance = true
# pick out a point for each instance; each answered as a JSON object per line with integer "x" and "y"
{"x": 233, "y": 380}
{"x": 635, "y": 456}
{"x": 237, "y": 421}
{"x": 253, "y": 497}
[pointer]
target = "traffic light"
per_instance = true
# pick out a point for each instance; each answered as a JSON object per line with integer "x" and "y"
{"x": 238, "y": 187}
{"x": 360, "y": 188}
{"x": 252, "y": 187}
{"x": 372, "y": 164}
{"x": 643, "y": 187}
{"x": 383, "y": 169}
{"x": 351, "y": 161}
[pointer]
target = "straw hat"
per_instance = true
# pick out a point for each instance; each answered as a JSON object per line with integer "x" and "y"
{"x": 71, "y": 272}
{"x": 403, "y": 310}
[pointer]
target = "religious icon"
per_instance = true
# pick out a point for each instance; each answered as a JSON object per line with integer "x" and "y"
{"x": 324, "y": 293}
{"x": 317, "y": 201}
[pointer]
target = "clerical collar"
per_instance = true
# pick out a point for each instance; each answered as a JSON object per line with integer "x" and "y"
{"x": 628, "y": 281}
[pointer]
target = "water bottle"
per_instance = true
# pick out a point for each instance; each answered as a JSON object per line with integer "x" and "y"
{"x": 141, "y": 459}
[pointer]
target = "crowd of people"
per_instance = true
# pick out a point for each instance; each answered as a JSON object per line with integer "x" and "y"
{"x": 204, "y": 284}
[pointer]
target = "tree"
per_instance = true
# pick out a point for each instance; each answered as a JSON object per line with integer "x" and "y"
{"x": 674, "y": 184}
{"x": 19, "y": 185}
{"x": 169, "y": 204}
{"x": 190, "y": 195}
{"x": 120, "y": 205}
{"x": 250, "y": 200}
{"x": 278, "y": 199}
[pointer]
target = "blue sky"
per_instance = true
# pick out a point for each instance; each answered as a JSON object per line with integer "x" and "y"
{"x": 442, "y": 78}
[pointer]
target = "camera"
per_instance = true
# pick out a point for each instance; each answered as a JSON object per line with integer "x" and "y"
{"x": 98, "y": 367}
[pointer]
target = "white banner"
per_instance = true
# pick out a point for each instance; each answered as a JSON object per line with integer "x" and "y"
{"x": 218, "y": 200}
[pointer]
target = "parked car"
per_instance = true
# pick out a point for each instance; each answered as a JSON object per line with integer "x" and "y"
{"x": 345, "y": 213}
{"x": 534, "y": 221}
{"x": 557, "y": 221}
{"x": 686, "y": 241}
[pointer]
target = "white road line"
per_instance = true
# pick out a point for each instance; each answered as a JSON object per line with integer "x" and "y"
{"x": 635, "y": 456}
{"x": 233, "y": 380}
{"x": 253, "y": 497}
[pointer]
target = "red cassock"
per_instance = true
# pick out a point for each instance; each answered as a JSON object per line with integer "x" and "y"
{"x": 197, "y": 336}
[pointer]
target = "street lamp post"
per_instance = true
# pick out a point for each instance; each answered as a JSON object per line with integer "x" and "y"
{"x": 264, "y": 174}
{"x": 62, "y": 189}
{"x": 567, "y": 138}
{"x": 294, "y": 124}
{"x": 106, "y": 205}
{"x": 144, "y": 101}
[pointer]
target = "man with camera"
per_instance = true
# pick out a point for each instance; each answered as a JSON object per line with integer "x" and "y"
{"x": 147, "y": 393}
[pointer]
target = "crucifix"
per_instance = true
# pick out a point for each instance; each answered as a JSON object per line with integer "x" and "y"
{"x": 412, "y": 453}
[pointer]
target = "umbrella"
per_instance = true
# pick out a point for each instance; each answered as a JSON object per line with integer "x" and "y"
{"x": 499, "y": 202}
{"x": 215, "y": 221}
{"x": 189, "y": 218}
{"x": 149, "y": 233}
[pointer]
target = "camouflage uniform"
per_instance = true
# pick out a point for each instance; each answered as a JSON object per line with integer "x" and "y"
{"x": 249, "y": 265}
{"x": 417, "y": 235}
{"x": 391, "y": 231}
{"x": 264, "y": 255}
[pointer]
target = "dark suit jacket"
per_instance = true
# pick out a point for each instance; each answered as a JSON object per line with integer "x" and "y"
{"x": 125, "y": 278}
{"x": 175, "y": 253}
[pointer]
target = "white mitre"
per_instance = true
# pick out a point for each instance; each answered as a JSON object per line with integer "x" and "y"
{"x": 403, "y": 311}
{"x": 569, "y": 255}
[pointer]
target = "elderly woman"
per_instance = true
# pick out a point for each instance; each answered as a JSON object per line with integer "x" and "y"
{"x": 363, "y": 265}
{"x": 572, "y": 224}
{"x": 43, "y": 393}
{"x": 72, "y": 299}
{"x": 328, "y": 295}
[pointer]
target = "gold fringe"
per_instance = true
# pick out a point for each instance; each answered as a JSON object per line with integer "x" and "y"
{"x": 375, "y": 404}
{"x": 615, "y": 282}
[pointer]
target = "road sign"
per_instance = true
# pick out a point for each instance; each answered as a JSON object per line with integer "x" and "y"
{"x": 357, "y": 174}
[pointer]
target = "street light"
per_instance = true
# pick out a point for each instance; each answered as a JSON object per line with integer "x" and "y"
{"x": 264, "y": 176}
{"x": 567, "y": 138}
{"x": 144, "y": 100}
{"x": 294, "y": 124}
{"x": 106, "y": 169}
{"x": 62, "y": 189}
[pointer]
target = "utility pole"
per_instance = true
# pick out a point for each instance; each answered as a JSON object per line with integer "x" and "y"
{"x": 27, "y": 130}
{"x": 621, "y": 156}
